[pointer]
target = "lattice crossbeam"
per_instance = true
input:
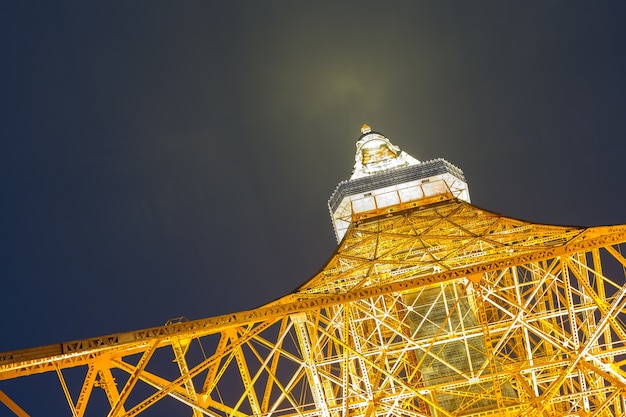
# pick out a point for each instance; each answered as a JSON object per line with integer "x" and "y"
{"x": 445, "y": 310}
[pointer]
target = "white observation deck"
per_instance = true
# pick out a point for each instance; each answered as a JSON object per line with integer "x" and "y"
{"x": 386, "y": 179}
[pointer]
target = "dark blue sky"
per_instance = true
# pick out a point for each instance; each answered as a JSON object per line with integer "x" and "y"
{"x": 164, "y": 159}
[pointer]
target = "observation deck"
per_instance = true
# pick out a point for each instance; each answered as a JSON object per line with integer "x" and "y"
{"x": 386, "y": 179}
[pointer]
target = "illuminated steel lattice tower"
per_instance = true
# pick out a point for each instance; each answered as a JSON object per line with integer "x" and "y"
{"x": 430, "y": 306}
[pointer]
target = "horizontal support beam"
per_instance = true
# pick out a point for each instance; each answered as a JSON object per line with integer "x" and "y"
{"x": 48, "y": 358}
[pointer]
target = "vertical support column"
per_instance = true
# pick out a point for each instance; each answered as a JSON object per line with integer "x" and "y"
{"x": 346, "y": 358}
{"x": 528, "y": 351}
{"x": 85, "y": 392}
{"x": 573, "y": 324}
{"x": 570, "y": 302}
{"x": 212, "y": 375}
{"x": 482, "y": 317}
{"x": 132, "y": 380}
{"x": 247, "y": 381}
{"x": 414, "y": 376}
{"x": 107, "y": 383}
{"x": 357, "y": 346}
{"x": 282, "y": 332}
{"x": 317, "y": 390}
{"x": 180, "y": 347}
{"x": 597, "y": 267}
{"x": 66, "y": 391}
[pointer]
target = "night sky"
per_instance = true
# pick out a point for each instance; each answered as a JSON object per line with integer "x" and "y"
{"x": 163, "y": 159}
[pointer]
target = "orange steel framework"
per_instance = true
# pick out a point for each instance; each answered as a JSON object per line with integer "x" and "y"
{"x": 438, "y": 309}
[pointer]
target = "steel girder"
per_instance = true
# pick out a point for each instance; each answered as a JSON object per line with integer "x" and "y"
{"x": 443, "y": 310}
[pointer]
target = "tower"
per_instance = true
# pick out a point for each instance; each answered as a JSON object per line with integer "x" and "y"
{"x": 429, "y": 306}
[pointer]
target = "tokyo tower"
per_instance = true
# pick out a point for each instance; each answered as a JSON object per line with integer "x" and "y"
{"x": 429, "y": 307}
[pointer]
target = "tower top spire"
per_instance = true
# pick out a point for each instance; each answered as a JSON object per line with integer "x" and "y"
{"x": 375, "y": 153}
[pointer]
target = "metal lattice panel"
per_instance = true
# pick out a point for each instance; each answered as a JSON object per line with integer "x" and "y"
{"x": 393, "y": 177}
{"x": 444, "y": 310}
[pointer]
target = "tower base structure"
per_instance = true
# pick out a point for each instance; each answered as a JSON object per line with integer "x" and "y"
{"x": 443, "y": 310}
{"x": 429, "y": 307}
